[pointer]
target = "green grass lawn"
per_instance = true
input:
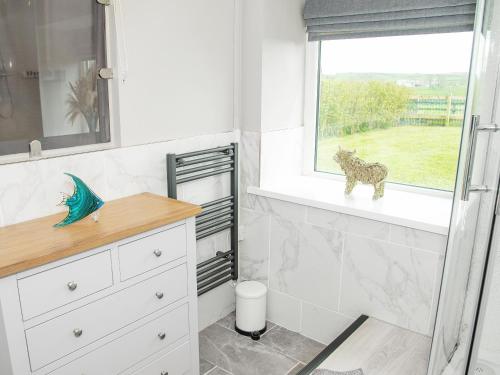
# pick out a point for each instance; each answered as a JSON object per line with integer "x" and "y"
{"x": 415, "y": 155}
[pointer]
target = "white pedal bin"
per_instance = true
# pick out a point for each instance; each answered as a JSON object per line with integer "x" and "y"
{"x": 251, "y": 299}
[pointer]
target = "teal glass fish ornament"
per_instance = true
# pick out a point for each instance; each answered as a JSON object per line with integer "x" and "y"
{"x": 81, "y": 204}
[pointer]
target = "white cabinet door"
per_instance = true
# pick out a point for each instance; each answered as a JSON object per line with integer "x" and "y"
{"x": 58, "y": 337}
{"x": 133, "y": 347}
{"x": 61, "y": 285}
{"x": 177, "y": 362}
{"x": 153, "y": 251}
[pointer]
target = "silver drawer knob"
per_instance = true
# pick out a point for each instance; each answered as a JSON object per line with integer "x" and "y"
{"x": 159, "y": 295}
{"x": 157, "y": 252}
{"x": 77, "y": 332}
{"x": 162, "y": 335}
{"x": 72, "y": 285}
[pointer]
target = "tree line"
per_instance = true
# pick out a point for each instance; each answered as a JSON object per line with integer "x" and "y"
{"x": 348, "y": 107}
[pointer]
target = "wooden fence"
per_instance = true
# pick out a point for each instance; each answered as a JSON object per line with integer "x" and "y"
{"x": 421, "y": 111}
{"x": 434, "y": 111}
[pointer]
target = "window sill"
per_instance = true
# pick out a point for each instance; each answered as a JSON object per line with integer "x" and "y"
{"x": 410, "y": 209}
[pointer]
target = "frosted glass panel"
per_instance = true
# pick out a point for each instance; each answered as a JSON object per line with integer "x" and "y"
{"x": 50, "y": 53}
{"x": 20, "y": 112}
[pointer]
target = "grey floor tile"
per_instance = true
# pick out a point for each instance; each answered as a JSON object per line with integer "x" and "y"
{"x": 270, "y": 326}
{"x": 205, "y": 366}
{"x": 292, "y": 344}
{"x": 229, "y": 320}
{"x": 296, "y": 369}
{"x": 218, "y": 371}
{"x": 240, "y": 355}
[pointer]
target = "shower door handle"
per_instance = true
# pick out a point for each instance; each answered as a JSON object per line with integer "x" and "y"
{"x": 467, "y": 187}
{"x": 469, "y": 157}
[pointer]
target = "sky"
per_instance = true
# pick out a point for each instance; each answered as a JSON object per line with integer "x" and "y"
{"x": 426, "y": 54}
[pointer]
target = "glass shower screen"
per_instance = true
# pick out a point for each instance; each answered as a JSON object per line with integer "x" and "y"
{"x": 473, "y": 205}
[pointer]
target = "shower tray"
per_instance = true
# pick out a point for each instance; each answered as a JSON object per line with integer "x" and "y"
{"x": 376, "y": 347}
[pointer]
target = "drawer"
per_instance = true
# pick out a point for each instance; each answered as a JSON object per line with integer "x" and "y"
{"x": 61, "y": 285}
{"x": 60, "y": 336}
{"x": 133, "y": 347}
{"x": 177, "y": 362}
{"x": 153, "y": 251}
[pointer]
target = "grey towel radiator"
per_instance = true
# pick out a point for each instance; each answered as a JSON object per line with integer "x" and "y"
{"x": 216, "y": 216}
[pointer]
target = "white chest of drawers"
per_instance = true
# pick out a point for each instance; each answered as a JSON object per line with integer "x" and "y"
{"x": 126, "y": 307}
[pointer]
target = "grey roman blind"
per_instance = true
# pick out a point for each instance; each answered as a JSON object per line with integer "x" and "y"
{"x": 347, "y": 19}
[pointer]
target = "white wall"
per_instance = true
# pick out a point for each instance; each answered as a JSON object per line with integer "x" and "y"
{"x": 252, "y": 30}
{"x": 283, "y": 58}
{"x": 273, "y": 74}
{"x": 273, "y": 55}
{"x": 178, "y": 60}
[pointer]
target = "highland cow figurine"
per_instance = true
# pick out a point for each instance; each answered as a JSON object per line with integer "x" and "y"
{"x": 356, "y": 170}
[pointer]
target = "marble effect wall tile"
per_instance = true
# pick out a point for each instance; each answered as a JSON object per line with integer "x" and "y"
{"x": 281, "y": 154}
{"x": 32, "y": 189}
{"x": 207, "y": 247}
{"x": 281, "y": 209}
{"x": 21, "y": 194}
{"x": 397, "y": 278}
{"x": 348, "y": 223}
{"x": 321, "y": 324}
{"x": 305, "y": 262}
{"x": 418, "y": 239}
{"x": 208, "y": 189}
{"x": 390, "y": 282}
{"x": 249, "y": 166}
{"x": 284, "y": 310}
{"x": 216, "y": 304}
{"x": 204, "y": 141}
{"x": 254, "y": 247}
{"x": 135, "y": 169}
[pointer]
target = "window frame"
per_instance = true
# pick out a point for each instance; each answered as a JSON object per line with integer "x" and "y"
{"x": 113, "y": 109}
{"x": 311, "y": 110}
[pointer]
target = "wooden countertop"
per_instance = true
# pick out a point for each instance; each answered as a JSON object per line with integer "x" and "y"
{"x": 36, "y": 242}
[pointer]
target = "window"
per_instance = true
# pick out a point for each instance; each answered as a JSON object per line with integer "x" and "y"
{"x": 395, "y": 100}
{"x": 50, "y": 55}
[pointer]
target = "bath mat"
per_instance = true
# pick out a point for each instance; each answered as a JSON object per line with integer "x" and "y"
{"x": 330, "y": 372}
